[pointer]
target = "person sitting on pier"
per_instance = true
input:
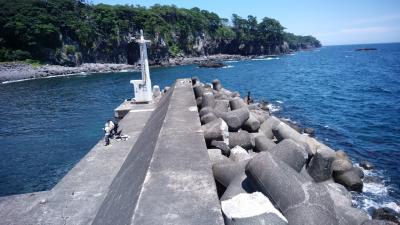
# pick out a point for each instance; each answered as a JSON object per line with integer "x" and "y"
{"x": 109, "y": 129}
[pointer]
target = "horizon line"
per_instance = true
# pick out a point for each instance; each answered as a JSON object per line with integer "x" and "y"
{"x": 372, "y": 43}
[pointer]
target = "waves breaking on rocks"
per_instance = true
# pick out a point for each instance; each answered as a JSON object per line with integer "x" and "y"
{"x": 252, "y": 151}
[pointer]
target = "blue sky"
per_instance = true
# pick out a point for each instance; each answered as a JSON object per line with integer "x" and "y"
{"x": 333, "y": 22}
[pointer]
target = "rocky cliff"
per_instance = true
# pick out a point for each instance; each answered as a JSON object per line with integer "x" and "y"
{"x": 71, "y": 32}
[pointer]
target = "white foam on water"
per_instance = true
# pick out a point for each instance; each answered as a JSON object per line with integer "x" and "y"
{"x": 80, "y": 74}
{"x": 231, "y": 61}
{"x": 37, "y": 78}
{"x": 266, "y": 59}
{"x": 289, "y": 120}
{"x": 15, "y": 81}
{"x": 375, "y": 188}
{"x": 228, "y": 66}
{"x": 375, "y": 194}
{"x": 274, "y": 108}
{"x": 280, "y": 102}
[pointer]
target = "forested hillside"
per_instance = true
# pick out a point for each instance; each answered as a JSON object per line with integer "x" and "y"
{"x": 69, "y": 32}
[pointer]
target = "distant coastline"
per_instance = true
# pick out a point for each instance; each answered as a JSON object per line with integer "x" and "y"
{"x": 20, "y": 71}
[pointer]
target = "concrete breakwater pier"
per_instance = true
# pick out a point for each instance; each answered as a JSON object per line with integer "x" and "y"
{"x": 200, "y": 155}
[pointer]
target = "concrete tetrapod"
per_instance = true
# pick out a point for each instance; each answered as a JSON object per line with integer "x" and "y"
{"x": 221, "y": 145}
{"x": 221, "y": 107}
{"x": 267, "y": 126}
{"x": 205, "y": 111}
{"x": 320, "y": 165}
{"x": 359, "y": 171}
{"x": 350, "y": 179}
{"x": 262, "y": 143}
{"x": 225, "y": 172}
{"x": 236, "y": 118}
{"x": 241, "y": 139}
{"x": 253, "y": 137}
{"x": 240, "y": 184}
{"x": 283, "y": 131}
{"x": 195, "y": 80}
{"x": 198, "y": 90}
{"x": 199, "y": 101}
{"x": 252, "y": 124}
{"x": 260, "y": 115}
{"x": 291, "y": 153}
{"x": 216, "y": 155}
{"x": 239, "y": 154}
{"x": 208, "y": 118}
{"x": 237, "y": 103}
{"x": 345, "y": 213}
{"x": 215, "y": 130}
{"x": 379, "y": 222}
{"x": 301, "y": 201}
{"x": 216, "y": 85}
{"x": 254, "y": 209}
{"x": 208, "y": 100}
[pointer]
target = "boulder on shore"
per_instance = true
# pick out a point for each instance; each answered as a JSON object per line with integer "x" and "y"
{"x": 367, "y": 165}
{"x": 211, "y": 64}
{"x": 386, "y": 213}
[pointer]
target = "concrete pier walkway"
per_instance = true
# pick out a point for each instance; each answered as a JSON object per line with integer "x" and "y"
{"x": 160, "y": 175}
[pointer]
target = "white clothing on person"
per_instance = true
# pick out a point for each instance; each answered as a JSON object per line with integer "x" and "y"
{"x": 108, "y": 127}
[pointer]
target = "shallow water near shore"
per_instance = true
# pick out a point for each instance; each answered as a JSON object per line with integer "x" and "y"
{"x": 351, "y": 99}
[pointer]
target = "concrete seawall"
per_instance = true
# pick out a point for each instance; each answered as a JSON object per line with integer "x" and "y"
{"x": 161, "y": 174}
{"x": 201, "y": 155}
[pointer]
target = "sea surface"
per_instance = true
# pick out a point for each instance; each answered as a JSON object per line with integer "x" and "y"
{"x": 351, "y": 99}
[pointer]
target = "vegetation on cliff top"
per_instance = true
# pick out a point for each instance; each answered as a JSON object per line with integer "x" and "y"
{"x": 69, "y": 32}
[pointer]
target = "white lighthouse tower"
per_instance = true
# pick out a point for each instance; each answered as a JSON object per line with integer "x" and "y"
{"x": 142, "y": 88}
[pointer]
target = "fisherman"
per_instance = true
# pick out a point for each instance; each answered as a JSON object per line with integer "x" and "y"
{"x": 248, "y": 99}
{"x": 114, "y": 131}
{"x": 109, "y": 128}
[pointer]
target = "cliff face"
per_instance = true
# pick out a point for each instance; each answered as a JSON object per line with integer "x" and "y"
{"x": 71, "y": 32}
{"x": 128, "y": 52}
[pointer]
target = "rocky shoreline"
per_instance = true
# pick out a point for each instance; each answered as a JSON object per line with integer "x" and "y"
{"x": 16, "y": 71}
{"x": 270, "y": 172}
{"x": 22, "y": 71}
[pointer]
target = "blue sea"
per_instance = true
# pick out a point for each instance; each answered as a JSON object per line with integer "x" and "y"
{"x": 351, "y": 99}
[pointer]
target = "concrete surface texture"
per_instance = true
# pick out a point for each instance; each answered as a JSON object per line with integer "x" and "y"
{"x": 160, "y": 175}
{"x": 78, "y": 196}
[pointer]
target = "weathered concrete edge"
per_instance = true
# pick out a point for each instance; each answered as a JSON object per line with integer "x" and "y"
{"x": 119, "y": 204}
{"x": 179, "y": 187}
